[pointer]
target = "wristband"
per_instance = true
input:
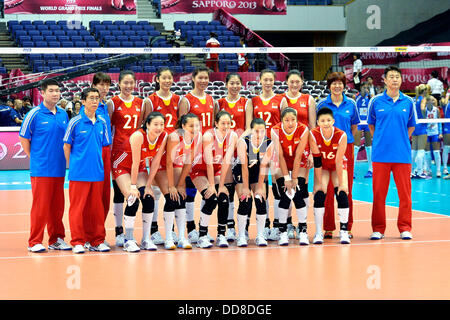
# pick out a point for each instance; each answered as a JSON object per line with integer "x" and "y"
{"x": 287, "y": 178}
{"x": 133, "y": 187}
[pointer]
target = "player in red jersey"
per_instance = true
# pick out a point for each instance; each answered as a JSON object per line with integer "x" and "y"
{"x": 212, "y": 175}
{"x": 241, "y": 110}
{"x": 306, "y": 114}
{"x": 290, "y": 138}
{"x": 182, "y": 145}
{"x": 166, "y": 102}
{"x": 125, "y": 112}
{"x": 328, "y": 145}
{"x": 267, "y": 106}
{"x": 145, "y": 145}
{"x": 202, "y": 105}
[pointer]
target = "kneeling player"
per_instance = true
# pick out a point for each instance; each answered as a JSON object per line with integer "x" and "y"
{"x": 328, "y": 145}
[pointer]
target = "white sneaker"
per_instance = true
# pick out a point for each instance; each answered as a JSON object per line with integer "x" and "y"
{"x": 184, "y": 243}
{"x": 231, "y": 235}
{"x": 204, "y": 243}
{"x": 157, "y": 238}
{"x": 78, "y": 249}
{"x": 274, "y": 234}
{"x": 131, "y": 246}
{"x": 345, "y": 239}
{"x": 438, "y": 174}
{"x": 247, "y": 236}
{"x": 291, "y": 231}
{"x": 318, "y": 238}
{"x": 102, "y": 247}
{"x": 242, "y": 242}
{"x": 148, "y": 244}
{"x": 297, "y": 231}
{"x": 169, "y": 245}
{"x": 174, "y": 237}
{"x": 106, "y": 243}
{"x": 284, "y": 239}
{"x": 376, "y": 236}
{"x": 260, "y": 241}
{"x": 211, "y": 239}
{"x": 59, "y": 245}
{"x": 87, "y": 245}
{"x": 266, "y": 233}
{"x": 193, "y": 236}
{"x": 303, "y": 239}
{"x": 406, "y": 235}
{"x": 120, "y": 240}
{"x": 445, "y": 172}
{"x": 37, "y": 248}
{"x": 221, "y": 241}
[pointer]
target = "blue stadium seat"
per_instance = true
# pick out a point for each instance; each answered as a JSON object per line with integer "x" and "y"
{"x": 143, "y": 23}
{"x": 131, "y": 23}
{"x": 25, "y": 22}
{"x": 210, "y": 28}
{"x": 54, "y": 27}
{"x": 28, "y": 44}
{"x": 89, "y": 57}
{"x": 59, "y": 33}
{"x": 66, "y": 63}
{"x": 204, "y": 33}
{"x": 46, "y": 33}
{"x": 3, "y": 70}
{"x": 228, "y": 33}
{"x": 20, "y": 33}
{"x": 215, "y": 23}
{"x": 127, "y": 44}
{"x": 62, "y": 56}
{"x": 54, "y": 44}
{"x": 29, "y": 27}
{"x": 177, "y": 69}
{"x": 197, "y": 27}
{"x": 142, "y": 33}
{"x": 42, "y": 27}
{"x": 221, "y": 28}
{"x": 93, "y": 23}
{"x": 53, "y": 64}
{"x": 137, "y": 69}
{"x": 72, "y": 33}
{"x": 63, "y": 38}
{"x": 50, "y": 22}
{"x": 37, "y": 38}
{"x": 149, "y": 69}
{"x": 189, "y": 69}
{"x": 228, "y": 44}
{"x": 129, "y": 33}
{"x": 80, "y": 44}
{"x": 88, "y": 38}
{"x": 112, "y": 27}
{"x": 177, "y": 24}
{"x": 84, "y": 33}
{"x": 114, "y": 70}
{"x": 136, "y": 27}
{"x": 21, "y": 39}
{"x": 140, "y": 44}
{"x": 119, "y": 22}
{"x": 124, "y": 27}
{"x": 135, "y": 38}
{"x": 76, "y": 56}
{"x": 79, "y": 62}
{"x": 114, "y": 44}
{"x": 232, "y": 68}
{"x": 107, "y": 22}
{"x": 93, "y": 44}
{"x": 76, "y": 38}
{"x": 122, "y": 38}
{"x": 50, "y": 38}
{"x": 107, "y": 39}
{"x": 33, "y": 33}
{"x": 67, "y": 44}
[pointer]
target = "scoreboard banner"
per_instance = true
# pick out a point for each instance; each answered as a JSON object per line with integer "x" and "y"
{"x": 271, "y": 7}
{"x": 70, "y": 7}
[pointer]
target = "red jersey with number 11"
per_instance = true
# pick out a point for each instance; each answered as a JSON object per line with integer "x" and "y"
{"x": 203, "y": 109}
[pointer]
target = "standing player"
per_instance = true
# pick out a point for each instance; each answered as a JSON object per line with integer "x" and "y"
{"x": 419, "y": 135}
{"x": 254, "y": 154}
{"x": 166, "y": 102}
{"x": 125, "y": 113}
{"x": 305, "y": 105}
{"x": 241, "y": 111}
{"x": 201, "y": 104}
{"x": 267, "y": 107}
{"x": 291, "y": 136}
{"x": 328, "y": 145}
{"x": 346, "y": 118}
{"x": 85, "y": 137}
{"x": 41, "y": 137}
{"x": 446, "y": 131}
{"x": 434, "y": 133}
{"x": 362, "y": 103}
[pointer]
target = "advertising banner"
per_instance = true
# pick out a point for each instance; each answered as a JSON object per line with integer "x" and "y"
{"x": 12, "y": 156}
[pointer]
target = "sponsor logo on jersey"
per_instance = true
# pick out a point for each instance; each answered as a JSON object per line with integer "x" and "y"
{"x": 119, "y": 108}
{"x": 274, "y": 106}
{"x": 45, "y": 122}
{"x": 240, "y": 110}
{"x": 297, "y": 142}
{"x": 196, "y": 106}
{"x": 84, "y": 131}
{"x": 302, "y": 105}
{"x": 159, "y": 108}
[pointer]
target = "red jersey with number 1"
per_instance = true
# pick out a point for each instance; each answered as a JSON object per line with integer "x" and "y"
{"x": 203, "y": 109}
{"x": 125, "y": 121}
{"x": 268, "y": 110}
{"x": 328, "y": 148}
{"x": 168, "y": 107}
{"x": 236, "y": 109}
{"x": 301, "y": 104}
{"x": 289, "y": 142}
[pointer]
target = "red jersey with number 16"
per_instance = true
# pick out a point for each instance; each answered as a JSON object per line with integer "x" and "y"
{"x": 203, "y": 109}
{"x": 289, "y": 142}
{"x": 168, "y": 107}
{"x": 268, "y": 110}
{"x": 328, "y": 148}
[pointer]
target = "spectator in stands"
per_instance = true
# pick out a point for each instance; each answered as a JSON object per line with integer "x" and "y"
{"x": 10, "y": 103}
{"x": 437, "y": 87}
{"x": 357, "y": 71}
{"x": 27, "y": 103}
{"x": 4, "y": 114}
{"x": 242, "y": 58}
{"x": 73, "y": 112}
{"x": 212, "y": 59}
{"x": 373, "y": 90}
{"x": 19, "y": 111}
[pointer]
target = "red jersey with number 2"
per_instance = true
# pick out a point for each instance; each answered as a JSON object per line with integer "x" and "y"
{"x": 328, "y": 148}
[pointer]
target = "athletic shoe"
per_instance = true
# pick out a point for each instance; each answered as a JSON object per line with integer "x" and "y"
{"x": 231, "y": 235}
{"x": 184, "y": 243}
{"x": 211, "y": 239}
{"x": 247, "y": 237}
{"x": 376, "y": 236}
{"x": 87, "y": 245}
{"x": 193, "y": 236}
{"x": 368, "y": 174}
{"x": 328, "y": 235}
{"x": 445, "y": 171}
{"x": 241, "y": 242}
{"x": 260, "y": 241}
{"x": 284, "y": 239}
{"x": 406, "y": 235}
{"x": 106, "y": 243}
{"x": 423, "y": 176}
{"x": 350, "y": 234}
{"x": 318, "y": 238}
{"x": 447, "y": 177}
{"x": 297, "y": 231}
{"x": 78, "y": 249}
{"x": 131, "y": 246}
{"x": 174, "y": 237}
{"x": 303, "y": 239}
{"x": 266, "y": 233}
{"x": 344, "y": 237}
{"x": 438, "y": 174}
{"x": 59, "y": 245}
{"x": 148, "y": 245}
{"x": 169, "y": 245}
{"x": 413, "y": 175}
{"x": 120, "y": 240}
{"x": 204, "y": 243}
{"x": 221, "y": 241}
{"x": 157, "y": 238}
{"x": 291, "y": 231}
{"x": 274, "y": 234}
{"x": 37, "y": 248}
{"x": 100, "y": 248}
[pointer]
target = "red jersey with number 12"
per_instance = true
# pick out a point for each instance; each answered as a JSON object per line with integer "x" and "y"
{"x": 268, "y": 110}
{"x": 328, "y": 148}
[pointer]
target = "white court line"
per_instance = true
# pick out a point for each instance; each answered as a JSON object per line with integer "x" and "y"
{"x": 197, "y": 250}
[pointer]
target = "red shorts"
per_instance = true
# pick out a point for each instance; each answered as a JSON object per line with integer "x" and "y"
{"x": 121, "y": 164}
{"x": 304, "y": 160}
{"x": 200, "y": 172}
{"x": 332, "y": 167}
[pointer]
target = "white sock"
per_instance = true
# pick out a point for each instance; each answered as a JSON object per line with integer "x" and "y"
{"x": 168, "y": 224}
{"x": 437, "y": 159}
{"x": 275, "y": 208}
{"x": 318, "y": 218}
{"x": 282, "y": 215}
{"x": 445, "y": 153}
{"x": 147, "y": 219}
{"x": 241, "y": 222}
{"x": 189, "y": 211}
{"x": 260, "y": 223}
{"x": 231, "y": 211}
{"x": 128, "y": 222}
{"x": 155, "y": 214}
{"x": 413, "y": 161}
{"x": 343, "y": 214}
{"x": 427, "y": 162}
{"x": 307, "y": 203}
{"x": 180, "y": 218}
{"x": 302, "y": 214}
{"x": 204, "y": 220}
{"x": 356, "y": 152}
{"x": 118, "y": 213}
{"x": 369, "y": 157}
{"x": 420, "y": 157}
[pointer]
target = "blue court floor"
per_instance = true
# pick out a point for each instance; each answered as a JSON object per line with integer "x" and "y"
{"x": 427, "y": 195}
